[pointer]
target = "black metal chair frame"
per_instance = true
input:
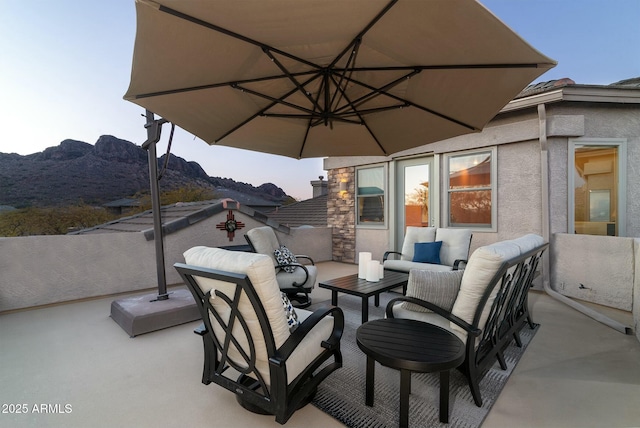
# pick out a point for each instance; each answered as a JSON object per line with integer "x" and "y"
{"x": 251, "y": 389}
{"x": 508, "y": 316}
{"x": 293, "y": 293}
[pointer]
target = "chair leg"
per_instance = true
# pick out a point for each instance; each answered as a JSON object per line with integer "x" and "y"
{"x": 532, "y": 325}
{"x": 475, "y": 392}
{"x": 472, "y": 377}
{"x": 301, "y": 301}
{"x": 210, "y": 362}
{"x": 501, "y": 360}
{"x": 516, "y": 337}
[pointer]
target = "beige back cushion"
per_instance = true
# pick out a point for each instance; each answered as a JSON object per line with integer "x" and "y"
{"x": 413, "y": 235}
{"x": 455, "y": 244}
{"x": 264, "y": 241}
{"x": 528, "y": 242}
{"x": 481, "y": 268}
{"x": 259, "y": 269}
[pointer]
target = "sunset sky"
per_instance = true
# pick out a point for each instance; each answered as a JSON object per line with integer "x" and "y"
{"x": 65, "y": 66}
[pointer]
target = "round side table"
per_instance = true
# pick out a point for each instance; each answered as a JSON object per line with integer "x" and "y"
{"x": 410, "y": 346}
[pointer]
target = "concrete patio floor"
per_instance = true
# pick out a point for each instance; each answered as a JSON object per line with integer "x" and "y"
{"x": 73, "y": 366}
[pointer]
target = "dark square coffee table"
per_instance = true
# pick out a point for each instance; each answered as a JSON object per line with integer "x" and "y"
{"x": 362, "y": 288}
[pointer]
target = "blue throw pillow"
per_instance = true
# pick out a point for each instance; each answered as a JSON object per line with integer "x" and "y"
{"x": 427, "y": 252}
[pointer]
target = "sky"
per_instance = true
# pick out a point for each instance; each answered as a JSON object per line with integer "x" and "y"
{"x": 65, "y": 65}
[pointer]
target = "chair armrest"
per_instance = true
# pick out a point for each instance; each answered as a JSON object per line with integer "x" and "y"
{"x": 388, "y": 253}
{"x": 306, "y": 272}
{"x": 287, "y": 348}
{"x": 456, "y": 264}
{"x": 474, "y": 331}
{"x": 302, "y": 256}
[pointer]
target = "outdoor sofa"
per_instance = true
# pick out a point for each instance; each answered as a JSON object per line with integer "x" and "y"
{"x": 437, "y": 249}
{"x": 485, "y": 305}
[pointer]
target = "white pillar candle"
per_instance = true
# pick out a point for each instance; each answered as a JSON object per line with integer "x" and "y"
{"x": 373, "y": 271}
{"x": 363, "y": 261}
{"x": 381, "y": 271}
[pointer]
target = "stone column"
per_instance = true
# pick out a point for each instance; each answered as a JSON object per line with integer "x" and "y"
{"x": 341, "y": 213}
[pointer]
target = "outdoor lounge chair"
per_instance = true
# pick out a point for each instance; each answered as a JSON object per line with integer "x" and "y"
{"x": 430, "y": 248}
{"x": 486, "y": 305}
{"x": 294, "y": 278}
{"x": 246, "y": 331}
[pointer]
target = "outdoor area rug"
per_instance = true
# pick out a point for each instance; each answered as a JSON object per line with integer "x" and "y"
{"x": 341, "y": 395}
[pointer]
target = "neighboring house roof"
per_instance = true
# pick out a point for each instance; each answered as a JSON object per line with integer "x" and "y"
{"x": 540, "y": 87}
{"x": 178, "y": 216}
{"x": 624, "y": 92}
{"x": 634, "y": 81}
{"x": 311, "y": 212}
{"x": 254, "y": 202}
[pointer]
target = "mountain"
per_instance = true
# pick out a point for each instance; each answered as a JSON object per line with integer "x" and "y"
{"x": 111, "y": 169}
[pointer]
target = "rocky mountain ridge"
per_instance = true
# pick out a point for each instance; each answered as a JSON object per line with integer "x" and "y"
{"x": 75, "y": 171}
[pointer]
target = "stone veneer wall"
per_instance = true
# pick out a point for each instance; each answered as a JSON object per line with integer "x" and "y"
{"x": 341, "y": 214}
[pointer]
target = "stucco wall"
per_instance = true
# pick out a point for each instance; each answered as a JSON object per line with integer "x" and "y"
{"x": 374, "y": 241}
{"x": 636, "y": 289}
{"x": 598, "y": 269}
{"x": 39, "y": 270}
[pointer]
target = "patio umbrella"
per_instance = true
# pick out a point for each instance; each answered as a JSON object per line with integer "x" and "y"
{"x": 313, "y": 78}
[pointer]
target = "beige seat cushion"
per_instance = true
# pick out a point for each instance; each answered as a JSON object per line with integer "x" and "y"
{"x": 455, "y": 244}
{"x": 406, "y": 266}
{"x": 528, "y": 242}
{"x": 259, "y": 269}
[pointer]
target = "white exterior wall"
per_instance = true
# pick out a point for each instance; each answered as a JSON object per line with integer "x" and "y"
{"x": 40, "y": 270}
{"x": 519, "y": 201}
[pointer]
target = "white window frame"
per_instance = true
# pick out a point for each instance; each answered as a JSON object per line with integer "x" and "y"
{"x": 493, "y": 187}
{"x": 621, "y": 144}
{"x": 385, "y": 193}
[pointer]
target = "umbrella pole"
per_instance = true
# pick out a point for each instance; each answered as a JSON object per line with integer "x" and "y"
{"x": 154, "y": 128}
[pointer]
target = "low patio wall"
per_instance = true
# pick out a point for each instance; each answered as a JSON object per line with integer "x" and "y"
{"x": 40, "y": 270}
{"x": 598, "y": 269}
{"x": 636, "y": 290}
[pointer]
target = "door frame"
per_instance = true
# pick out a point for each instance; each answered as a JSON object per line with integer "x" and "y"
{"x": 398, "y": 226}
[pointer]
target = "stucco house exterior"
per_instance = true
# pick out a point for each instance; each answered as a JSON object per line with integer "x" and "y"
{"x": 561, "y": 160}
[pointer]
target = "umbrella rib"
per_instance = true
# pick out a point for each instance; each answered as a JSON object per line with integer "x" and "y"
{"x": 289, "y": 75}
{"x": 352, "y": 60}
{"x": 275, "y": 100}
{"x": 380, "y": 91}
{"x": 260, "y": 112}
{"x": 219, "y": 85}
{"x": 309, "y": 125}
{"x": 366, "y": 125}
{"x": 412, "y": 104}
{"x": 364, "y": 31}
{"x": 233, "y": 34}
{"x": 445, "y": 67}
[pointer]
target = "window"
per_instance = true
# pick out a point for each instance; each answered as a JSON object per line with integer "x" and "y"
{"x": 471, "y": 184}
{"x": 370, "y": 195}
{"x": 596, "y": 186}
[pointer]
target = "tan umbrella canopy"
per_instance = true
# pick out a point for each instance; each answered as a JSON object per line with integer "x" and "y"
{"x": 312, "y": 78}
